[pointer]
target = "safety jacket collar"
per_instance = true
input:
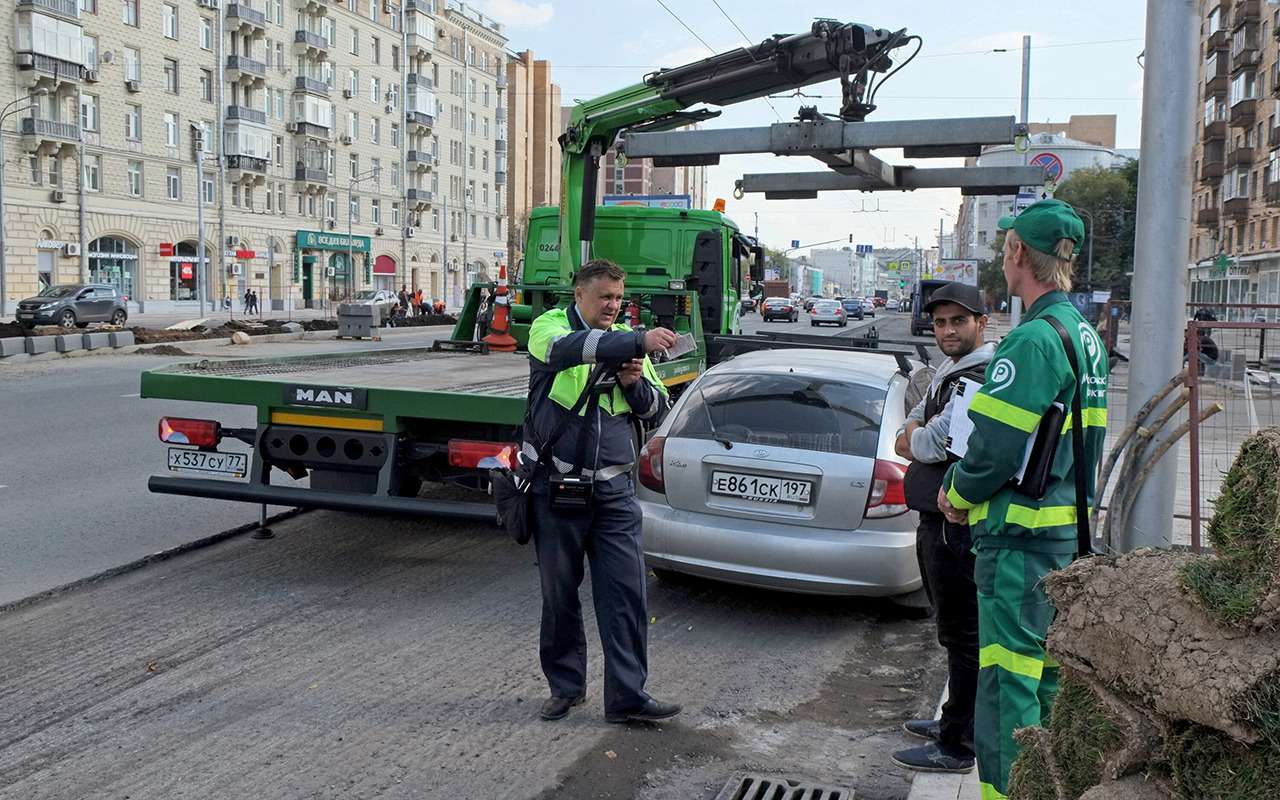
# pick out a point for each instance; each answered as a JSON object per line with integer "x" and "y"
{"x": 576, "y": 322}
{"x": 1046, "y": 300}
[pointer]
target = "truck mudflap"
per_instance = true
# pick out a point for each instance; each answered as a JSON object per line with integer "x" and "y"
{"x": 317, "y": 498}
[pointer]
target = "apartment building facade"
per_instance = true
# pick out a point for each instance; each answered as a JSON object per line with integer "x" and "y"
{"x": 533, "y": 136}
{"x": 1234, "y": 252}
{"x": 293, "y": 122}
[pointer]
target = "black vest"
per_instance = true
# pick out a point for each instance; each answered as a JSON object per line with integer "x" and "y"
{"x": 923, "y": 480}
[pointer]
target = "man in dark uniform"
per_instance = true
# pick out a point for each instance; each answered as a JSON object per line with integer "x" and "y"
{"x": 591, "y": 465}
{"x": 959, "y": 322}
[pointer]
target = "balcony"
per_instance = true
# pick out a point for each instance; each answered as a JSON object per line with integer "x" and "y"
{"x": 316, "y": 6}
{"x": 246, "y": 114}
{"x": 500, "y": 115}
{"x": 1246, "y": 57}
{"x": 420, "y": 119}
{"x": 417, "y": 7}
{"x": 245, "y": 68}
{"x": 1272, "y": 194}
{"x": 41, "y": 133}
{"x": 37, "y": 66}
{"x": 416, "y": 81}
{"x": 420, "y": 46}
{"x": 1212, "y": 164}
{"x": 1240, "y": 157}
{"x": 1236, "y": 207}
{"x": 1215, "y": 130}
{"x": 499, "y": 145}
{"x": 418, "y": 198}
{"x": 1273, "y": 137}
{"x": 500, "y": 81}
{"x": 1243, "y": 113}
{"x": 420, "y": 160}
{"x": 500, "y": 177}
{"x": 1244, "y": 12}
{"x": 1216, "y": 78}
{"x": 307, "y": 43}
{"x": 246, "y": 169}
{"x": 302, "y": 83}
{"x": 309, "y": 129}
{"x": 1207, "y": 216}
{"x": 245, "y": 17}
{"x": 67, "y": 9}
{"x": 317, "y": 175}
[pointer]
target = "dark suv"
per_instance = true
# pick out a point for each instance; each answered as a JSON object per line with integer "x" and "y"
{"x": 73, "y": 304}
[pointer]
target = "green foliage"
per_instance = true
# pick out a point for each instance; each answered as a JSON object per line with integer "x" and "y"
{"x": 1109, "y": 197}
{"x": 774, "y": 259}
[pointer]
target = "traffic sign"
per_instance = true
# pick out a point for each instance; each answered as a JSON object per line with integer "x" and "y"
{"x": 893, "y": 266}
{"x": 795, "y": 244}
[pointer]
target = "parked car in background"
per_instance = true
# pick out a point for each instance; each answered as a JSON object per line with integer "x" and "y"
{"x": 384, "y": 299}
{"x": 852, "y": 307}
{"x": 779, "y": 308}
{"x": 827, "y": 312}
{"x": 776, "y": 469}
{"x": 73, "y": 305}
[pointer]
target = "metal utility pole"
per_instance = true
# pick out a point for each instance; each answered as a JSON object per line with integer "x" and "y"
{"x": 404, "y": 221}
{"x": 1160, "y": 244}
{"x": 444, "y": 275}
{"x": 219, "y": 148}
{"x": 466, "y": 134}
{"x": 200, "y": 251}
{"x": 1015, "y": 302}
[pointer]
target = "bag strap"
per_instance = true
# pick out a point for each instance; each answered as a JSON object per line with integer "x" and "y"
{"x": 1084, "y": 538}
{"x": 587, "y": 392}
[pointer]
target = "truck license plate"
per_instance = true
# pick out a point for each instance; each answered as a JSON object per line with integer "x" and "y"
{"x": 761, "y": 488}
{"x": 234, "y": 464}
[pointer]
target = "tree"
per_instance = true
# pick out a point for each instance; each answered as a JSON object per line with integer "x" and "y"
{"x": 775, "y": 259}
{"x": 1107, "y": 199}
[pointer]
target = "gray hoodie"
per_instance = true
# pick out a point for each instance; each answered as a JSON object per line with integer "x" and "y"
{"x": 929, "y": 442}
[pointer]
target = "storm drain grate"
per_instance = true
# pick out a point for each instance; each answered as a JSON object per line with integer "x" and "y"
{"x": 771, "y": 787}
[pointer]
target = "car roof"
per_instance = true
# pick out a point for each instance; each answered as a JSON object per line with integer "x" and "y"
{"x": 867, "y": 367}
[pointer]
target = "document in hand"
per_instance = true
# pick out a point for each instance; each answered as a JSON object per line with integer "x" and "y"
{"x": 1039, "y": 451}
{"x": 685, "y": 343}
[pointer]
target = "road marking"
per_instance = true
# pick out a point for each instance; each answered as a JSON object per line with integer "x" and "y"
{"x": 135, "y": 394}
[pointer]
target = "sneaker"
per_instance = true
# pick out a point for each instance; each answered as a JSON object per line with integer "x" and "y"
{"x": 930, "y": 729}
{"x": 931, "y": 758}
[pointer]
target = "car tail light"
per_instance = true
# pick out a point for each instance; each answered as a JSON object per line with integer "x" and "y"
{"x": 813, "y": 311}
{"x": 888, "y": 496}
{"x": 651, "y": 464}
{"x": 468, "y": 454}
{"x": 199, "y": 432}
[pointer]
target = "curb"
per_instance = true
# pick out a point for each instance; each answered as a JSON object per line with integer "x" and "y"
{"x": 162, "y": 555}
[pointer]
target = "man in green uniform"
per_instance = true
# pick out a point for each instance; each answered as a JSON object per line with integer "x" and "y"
{"x": 1017, "y": 538}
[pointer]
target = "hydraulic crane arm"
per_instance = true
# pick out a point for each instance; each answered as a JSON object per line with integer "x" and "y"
{"x": 829, "y": 50}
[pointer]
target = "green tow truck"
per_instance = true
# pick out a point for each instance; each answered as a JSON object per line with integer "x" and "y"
{"x": 368, "y": 428}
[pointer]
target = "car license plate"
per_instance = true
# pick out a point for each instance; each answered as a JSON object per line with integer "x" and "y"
{"x": 760, "y": 488}
{"x": 234, "y": 464}
{"x": 26, "y": 314}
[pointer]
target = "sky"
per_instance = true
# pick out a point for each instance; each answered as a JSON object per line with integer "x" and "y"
{"x": 1084, "y": 60}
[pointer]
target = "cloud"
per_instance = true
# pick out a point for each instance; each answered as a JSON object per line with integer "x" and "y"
{"x": 518, "y": 14}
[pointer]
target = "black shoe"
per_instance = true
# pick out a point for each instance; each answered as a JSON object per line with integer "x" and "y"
{"x": 930, "y": 729}
{"x": 558, "y": 707}
{"x": 932, "y": 758}
{"x": 651, "y": 711}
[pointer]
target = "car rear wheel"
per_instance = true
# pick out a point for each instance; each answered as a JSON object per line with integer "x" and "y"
{"x": 67, "y": 318}
{"x": 119, "y": 317}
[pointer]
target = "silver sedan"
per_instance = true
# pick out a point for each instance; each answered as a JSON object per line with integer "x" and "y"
{"x": 828, "y": 312}
{"x": 776, "y": 469}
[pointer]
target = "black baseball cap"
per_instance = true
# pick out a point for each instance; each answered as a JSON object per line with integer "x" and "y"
{"x": 962, "y": 294}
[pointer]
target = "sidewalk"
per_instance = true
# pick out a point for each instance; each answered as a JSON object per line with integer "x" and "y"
{"x": 942, "y": 786}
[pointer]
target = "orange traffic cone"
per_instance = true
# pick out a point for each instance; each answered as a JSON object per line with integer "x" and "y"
{"x": 501, "y": 340}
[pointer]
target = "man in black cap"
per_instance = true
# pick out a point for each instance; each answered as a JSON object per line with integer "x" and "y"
{"x": 959, "y": 322}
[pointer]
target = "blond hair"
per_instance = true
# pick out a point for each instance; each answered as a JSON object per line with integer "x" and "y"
{"x": 1054, "y": 268}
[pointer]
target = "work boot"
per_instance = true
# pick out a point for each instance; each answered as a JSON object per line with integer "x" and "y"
{"x": 651, "y": 711}
{"x": 930, "y": 729}
{"x": 932, "y": 758}
{"x": 554, "y": 708}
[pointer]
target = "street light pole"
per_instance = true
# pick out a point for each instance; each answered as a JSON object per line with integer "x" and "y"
{"x": 351, "y": 184}
{"x": 5, "y": 113}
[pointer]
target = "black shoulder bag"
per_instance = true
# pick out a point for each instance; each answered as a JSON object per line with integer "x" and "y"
{"x": 1084, "y": 537}
{"x": 511, "y": 487}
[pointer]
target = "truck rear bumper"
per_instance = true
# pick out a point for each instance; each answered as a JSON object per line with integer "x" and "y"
{"x": 317, "y": 498}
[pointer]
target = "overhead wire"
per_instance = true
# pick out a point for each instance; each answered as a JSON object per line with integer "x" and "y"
{"x": 746, "y": 39}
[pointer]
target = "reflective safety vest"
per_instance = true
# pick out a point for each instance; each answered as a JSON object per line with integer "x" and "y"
{"x": 1029, "y": 372}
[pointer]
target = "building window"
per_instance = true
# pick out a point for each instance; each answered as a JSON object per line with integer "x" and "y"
{"x": 373, "y": 10}
{"x": 132, "y": 64}
{"x": 375, "y": 211}
{"x": 35, "y": 169}
{"x": 355, "y": 41}
{"x": 375, "y": 168}
{"x": 235, "y": 195}
{"x": 471, "y": 123}
{"x": 113, "y": 261}
{"x": 133, "y": 123}
{"x": 279, "y": 151}
{"x": 89, "y": 47}
{"x": 353, "y": 166}
{"x": 377, "y": 50}
{"x": 353, "y": 208}
{"x": 171, "y": 129}
{"x": 55, "y": 172}
{"x": 375, "y": 91}
{"x": 169, "y": 17}
{"x": 171, "y": 75}
{"x": 435, "y": 219}
{"x": 173, "y": 183}
{"x": 89, "y": 112}
{"x": 331, "y": 207}
{"x": 88, "y": 6}
{"x": 395, "y": 215}
{"x": 395, "y": 55}
{"x": 130, "y": 15}
{"x": 135, "y": 179}
{"x": 353, "y": 125}
{"x": 395, "y": 174}
{"x": 393, "y": 96}
{"x": 280, "y": 56}
{"x": 484, "y": 160}
{"x": 486, "y": 127}
{"x": 395, "y": 135}
{"x": 353, "y": 82}
{"x": 92, "y": 176}
{"x": 375, "y": 130}
{"x": 206, "y": 85}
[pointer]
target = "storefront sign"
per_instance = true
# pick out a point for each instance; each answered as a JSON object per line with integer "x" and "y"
{"x": 243, "y": 255}
{"x": 50, "y": 244}
{"x": 316, "y": 240}
{"x": 185, "y": 271}
{"x": 113, "y": 256}
{"x": 166, "y": 249}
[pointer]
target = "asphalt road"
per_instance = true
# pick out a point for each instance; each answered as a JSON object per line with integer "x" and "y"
{"x": 364, "y": 658}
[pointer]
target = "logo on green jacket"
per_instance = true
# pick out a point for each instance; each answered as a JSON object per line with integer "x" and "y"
{"x": 1002, "y": 374}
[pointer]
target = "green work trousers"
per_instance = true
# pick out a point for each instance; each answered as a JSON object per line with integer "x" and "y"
{"x": 1017, "y": 680}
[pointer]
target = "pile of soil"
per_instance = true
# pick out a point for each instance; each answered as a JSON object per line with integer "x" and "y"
{"x": 1171, "y": 662}
{"x": 8, "y": 329}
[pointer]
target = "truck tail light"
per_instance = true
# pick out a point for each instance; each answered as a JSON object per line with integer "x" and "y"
{"x": 199, "y": 432}
{"x": 468, "y": 454}
{"x": 651, "y": 464}
{"x": 888, "y": 496}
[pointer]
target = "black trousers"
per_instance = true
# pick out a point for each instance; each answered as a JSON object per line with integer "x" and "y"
{"x": 608, "y": 535}
{"x": 946, "y": 560}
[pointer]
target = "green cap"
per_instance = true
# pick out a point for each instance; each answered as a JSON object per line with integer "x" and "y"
{"x": 1042, "y": 225}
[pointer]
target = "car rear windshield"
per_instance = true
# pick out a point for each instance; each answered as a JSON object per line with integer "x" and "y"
{"x": 828, "y": 305}
{"x": 806, "y": 413}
